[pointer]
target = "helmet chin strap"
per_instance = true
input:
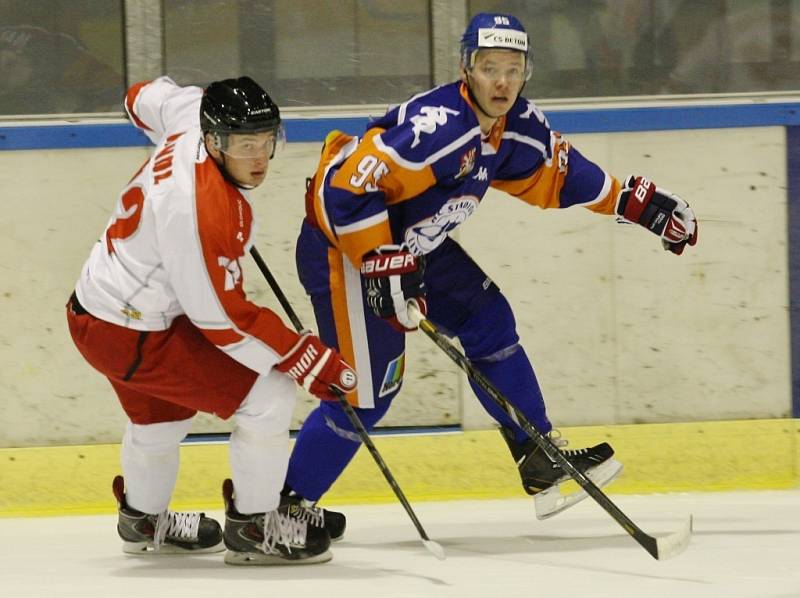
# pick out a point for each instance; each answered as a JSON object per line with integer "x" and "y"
{"x": 474, "y": 98}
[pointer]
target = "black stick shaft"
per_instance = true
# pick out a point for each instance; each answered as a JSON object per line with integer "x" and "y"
{"x": 348, "y": 409}
{"x": 276, "y": 289}
{"x": 646, "y": 541}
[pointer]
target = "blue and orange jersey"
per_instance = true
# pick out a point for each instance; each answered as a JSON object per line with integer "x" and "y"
{"x": 422, "y": 169}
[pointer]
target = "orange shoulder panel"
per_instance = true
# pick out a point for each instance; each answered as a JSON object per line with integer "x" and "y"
{"x": 370, "y": 169}
{"x": 130, "y": 99}
{"x": 217, "y": 218}
{"x": 542, "y": 188}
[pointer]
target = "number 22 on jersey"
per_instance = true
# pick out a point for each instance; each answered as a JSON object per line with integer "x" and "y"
{"x": 129, "y": 211}
{"x": 128, "y": 215}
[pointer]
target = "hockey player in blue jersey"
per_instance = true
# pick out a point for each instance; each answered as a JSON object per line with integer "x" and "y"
{"x": 379, "y": 210}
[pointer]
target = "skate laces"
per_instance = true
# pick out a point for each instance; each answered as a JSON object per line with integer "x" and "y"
{"x": 312, "y": 513}
{"x": 177, "y": 526}
{"x": 575, "y": 452}
{"x": 283, "y": 529}
{"x": 560, "y": 443}
{"x": 555, "y": 437}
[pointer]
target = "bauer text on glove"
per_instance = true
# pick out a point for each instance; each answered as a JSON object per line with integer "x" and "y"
{"x": 658, "y": 210}
{"x": 318, "y": 368}
{"x": 393, "y": 276}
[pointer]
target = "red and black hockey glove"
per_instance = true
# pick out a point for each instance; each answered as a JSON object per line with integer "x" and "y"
{"x": 659, "y": 211}
{"x": 393, "y": 276}
{"x": 318, "y": 368}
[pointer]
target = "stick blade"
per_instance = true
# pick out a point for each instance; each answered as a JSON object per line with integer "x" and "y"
{"x": 435, "y": 548}
{"x": 675, "y": 543}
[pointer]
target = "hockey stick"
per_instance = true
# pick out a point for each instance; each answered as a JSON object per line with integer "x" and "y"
{"x": 659, "y": 548}
{"x": 434, "y": 547}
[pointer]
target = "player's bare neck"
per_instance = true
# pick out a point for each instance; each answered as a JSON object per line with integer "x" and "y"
{"x": 485, "y": 121}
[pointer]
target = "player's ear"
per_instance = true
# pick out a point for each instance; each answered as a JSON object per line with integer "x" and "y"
{"x": 212, "y": 145}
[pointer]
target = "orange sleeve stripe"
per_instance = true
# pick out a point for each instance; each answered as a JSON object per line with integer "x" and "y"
{"x": 406, "y": 184}
{"x": 334, "y": 142}
{"x": 608, "y": 204}
{"x": 130, "y": 100}
{"x": 340, "y": 313}
{"x": 543, "y": 187}
{"x": 540, "y": 189}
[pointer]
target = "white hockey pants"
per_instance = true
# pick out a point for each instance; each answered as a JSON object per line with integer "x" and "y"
{"x": 259, "y": 451}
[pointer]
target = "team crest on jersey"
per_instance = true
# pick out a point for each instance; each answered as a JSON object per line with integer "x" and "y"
{"x": 467, "y": 163}
{"x": 426, "y": 235}
{"x": 131, "y": 312}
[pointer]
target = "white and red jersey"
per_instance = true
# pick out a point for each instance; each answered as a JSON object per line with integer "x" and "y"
{"x": 174, "y": 243}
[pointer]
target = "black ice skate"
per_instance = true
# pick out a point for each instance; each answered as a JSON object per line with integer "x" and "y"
{"x": 544, "y": 480}
{"x": 333, "y": 521}
{"x": 166, "y": 533}
{"x": 289, "y": 535}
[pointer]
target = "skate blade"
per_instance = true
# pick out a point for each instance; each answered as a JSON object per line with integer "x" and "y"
{"x": 259, "y": 559}
{"x": 147, "y": 549}
{"x": 551, "y": 502}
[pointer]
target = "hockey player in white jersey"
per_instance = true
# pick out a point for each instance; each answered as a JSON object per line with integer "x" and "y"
{"x": 160, "y": 310}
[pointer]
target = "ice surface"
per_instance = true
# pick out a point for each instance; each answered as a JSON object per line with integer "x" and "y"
{"x": 746, "y": 544}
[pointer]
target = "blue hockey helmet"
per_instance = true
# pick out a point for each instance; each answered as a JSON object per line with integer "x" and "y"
{"x": 494, "y": 30}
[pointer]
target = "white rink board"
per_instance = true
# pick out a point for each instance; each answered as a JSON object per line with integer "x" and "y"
{"x": 745, "y": 546}
{"x": 619, "y": 330}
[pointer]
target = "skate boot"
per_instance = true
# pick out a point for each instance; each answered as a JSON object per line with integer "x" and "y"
{"x": 166, "y": 533}
{"x": 289, "y": 535}
{"x": 333, "y": 521}
{"x": 544, "y": 480}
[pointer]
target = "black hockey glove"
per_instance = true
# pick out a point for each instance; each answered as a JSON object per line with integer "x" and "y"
{"x": 392, "y": 276}
{"x": 659, "y": 211}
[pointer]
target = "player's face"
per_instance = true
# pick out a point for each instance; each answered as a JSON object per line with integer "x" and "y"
{"x": 496, "y": 78}
{"x": 247, "y": 157}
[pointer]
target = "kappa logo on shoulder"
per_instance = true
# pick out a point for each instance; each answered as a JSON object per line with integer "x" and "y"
{"x": 534, "y": 110}
{"x": 428, "y": 119}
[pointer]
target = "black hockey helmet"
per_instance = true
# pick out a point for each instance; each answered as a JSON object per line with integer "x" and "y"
{"x": 238, "y": 106}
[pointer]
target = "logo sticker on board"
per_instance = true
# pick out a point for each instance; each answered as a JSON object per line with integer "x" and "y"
{"x": 393, "y": 377}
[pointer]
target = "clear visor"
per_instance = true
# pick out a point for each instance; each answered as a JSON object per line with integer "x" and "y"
{"x": 253, "y": 146}
{"x": 495, "y": 72}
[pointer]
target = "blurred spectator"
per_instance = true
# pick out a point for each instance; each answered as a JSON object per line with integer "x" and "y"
{"x": 586, "y": 48}
{"x": 52, "y": 73}
{"x": 747, "y": 49}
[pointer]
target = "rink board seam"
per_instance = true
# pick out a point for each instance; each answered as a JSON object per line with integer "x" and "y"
{"x": 699, "y": 456}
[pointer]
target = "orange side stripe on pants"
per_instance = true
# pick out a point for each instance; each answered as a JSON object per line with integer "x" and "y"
{"x": 341, "y": 317}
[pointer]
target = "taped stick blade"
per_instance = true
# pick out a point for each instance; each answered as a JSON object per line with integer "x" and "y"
{"x": 676, "y": 542}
